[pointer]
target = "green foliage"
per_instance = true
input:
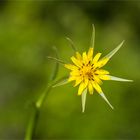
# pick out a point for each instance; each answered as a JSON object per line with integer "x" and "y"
{"x": 29, "y": 29}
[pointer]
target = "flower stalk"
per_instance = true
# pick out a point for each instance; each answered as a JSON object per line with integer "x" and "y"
{"x": 30, "y": 131}
{"x": 35, "y": 114}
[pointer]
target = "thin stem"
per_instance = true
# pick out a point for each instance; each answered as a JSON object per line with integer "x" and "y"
{"x": 32, "y": 125}
{"x": 35, "y": 114}
{"x": 38, "y": 104}
{"x": 43, "y": 96}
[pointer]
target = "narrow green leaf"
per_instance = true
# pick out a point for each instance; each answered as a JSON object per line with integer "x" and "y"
{"x": 61, "y": 82}
{"x": 56, "y": 66}
{"x": 114, "y": 51}
{"x": 113, "y": 78}
{"x": 93, "y": 37}
{"x": 83, "y": 97}
{"x": 72, "y": 44}
{"x": 104, "y": 97}
{"x": 56, "y": 59}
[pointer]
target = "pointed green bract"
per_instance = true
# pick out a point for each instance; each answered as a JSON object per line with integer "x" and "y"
{"x": 92, "y": 37}
{"x": 83, "y": 96}
{"x": 113, "y": 78}
{"x": 56, "y": 59}
{"x": 114, "y": 51}
{"x": 104, "y": 97}
{"x": 72, "y": 44}
{"x": 61, "y": 82}
{"x": 56, "y": 66}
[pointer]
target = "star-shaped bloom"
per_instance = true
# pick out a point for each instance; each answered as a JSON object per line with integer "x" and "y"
{"x": 88, "y": 73}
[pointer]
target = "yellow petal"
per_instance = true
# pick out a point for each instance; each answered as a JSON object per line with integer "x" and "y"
{"x": 85, "y": 58}
{"x": 99, "y": 90}
{"x": 101, "y": 71}
{"x": 71, "y": 67}
{"x": 90, "y": 88}
{"x": 97, "y": 87}
{"x": 90, "y": 53}
{"x": 75, "y": 73}
{"x": 78, "y": 56}
{"x": 96, "y": 58}
{"x": 104, "y": 77}
{"x": 102, "y": 62}
{"x": 71, "y": 78}
{"x": 78, "y": 81}
{"x": 81, "y": 88}
{"x": 86, "y": 81}
{"x": 76, "y": 61}
{"x": 97, "y": 80}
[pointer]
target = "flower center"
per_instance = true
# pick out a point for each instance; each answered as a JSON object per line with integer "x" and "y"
{"x": 87, "y": 71}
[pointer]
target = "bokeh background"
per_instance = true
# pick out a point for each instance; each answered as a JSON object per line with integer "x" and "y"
{"x": 29, "y": 29}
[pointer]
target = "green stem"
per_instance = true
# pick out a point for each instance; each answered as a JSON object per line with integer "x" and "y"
{"x": 35, "y": 113}
{"x": 31, "y": 126}
{"x": 38, "y": 104}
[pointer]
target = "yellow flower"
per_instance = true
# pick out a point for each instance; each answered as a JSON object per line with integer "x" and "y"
{"x": 87, "y": 71}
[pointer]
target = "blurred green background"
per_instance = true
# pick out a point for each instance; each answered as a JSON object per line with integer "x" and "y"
{"x": 29, "y": 29}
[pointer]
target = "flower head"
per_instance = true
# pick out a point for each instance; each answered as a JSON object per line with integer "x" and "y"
{"x": 87, "y": 71}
